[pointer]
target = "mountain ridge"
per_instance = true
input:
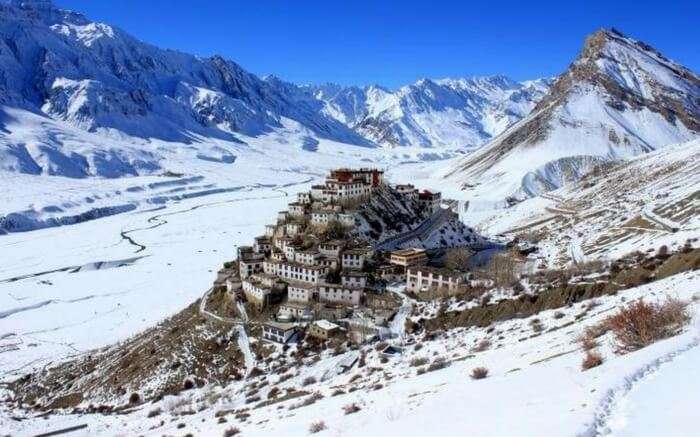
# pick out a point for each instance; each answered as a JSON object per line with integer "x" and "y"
{"x": 454, "y": 112}
{"x": 618, "y": 99}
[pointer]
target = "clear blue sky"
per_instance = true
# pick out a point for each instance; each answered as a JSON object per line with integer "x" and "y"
{"x": 394, "y": 43}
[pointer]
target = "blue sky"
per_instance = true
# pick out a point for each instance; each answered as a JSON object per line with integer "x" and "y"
{"x": 395, "y": 43}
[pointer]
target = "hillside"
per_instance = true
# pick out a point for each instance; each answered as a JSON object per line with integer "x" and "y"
{"x": 618, "y": 208}
{"x": 388, "y": 216}
{"x": 620, "y": 98}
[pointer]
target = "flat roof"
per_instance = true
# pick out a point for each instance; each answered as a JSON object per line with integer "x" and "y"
{"x": 285, "y": 326}
{"x": 299, "y": 284}
{"x": 439, "y": 270}
{"x": 353, "y": 273}
{"x": 295, "y": 264}
{"x": 325, "y": 324}
{"x": 407, "y": 252}
{"x": 357, "y": 251}
{"x": 297, "y": 305}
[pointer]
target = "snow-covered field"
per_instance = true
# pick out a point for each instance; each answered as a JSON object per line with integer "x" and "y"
{"x": 534, "y": 387}
{"x": 67, "y": 288}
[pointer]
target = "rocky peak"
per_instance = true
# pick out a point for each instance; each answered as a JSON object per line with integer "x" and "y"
{"x": 631, "y": 75}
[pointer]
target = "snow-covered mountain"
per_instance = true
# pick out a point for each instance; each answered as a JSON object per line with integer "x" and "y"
{"x": 59, "y": 65}
{"x": 454, "y": 113}
{"x": 620, "y": 98}
{"x": 80, "y": 98}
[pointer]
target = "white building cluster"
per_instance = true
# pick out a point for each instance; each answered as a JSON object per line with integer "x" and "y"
{"x": 282, "y": 265}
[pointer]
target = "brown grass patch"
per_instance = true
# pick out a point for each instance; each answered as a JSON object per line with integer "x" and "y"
{"x": 592, "y": 359}
{"x": 479, "y": 373}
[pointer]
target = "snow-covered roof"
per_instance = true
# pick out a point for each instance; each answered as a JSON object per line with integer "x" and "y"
{"x": 325, "y": 324}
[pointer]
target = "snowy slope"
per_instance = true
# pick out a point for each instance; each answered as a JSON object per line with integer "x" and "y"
{"x": 619, "y": 99}
{"x": 648, "y": 201}
{"x": 446, "y": 113}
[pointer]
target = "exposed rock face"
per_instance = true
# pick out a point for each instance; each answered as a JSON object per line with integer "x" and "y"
{"x": 600, "y": 64}
{"x": 618, "y": 99}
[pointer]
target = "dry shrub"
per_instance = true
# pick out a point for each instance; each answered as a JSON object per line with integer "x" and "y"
{"x": 641, "y": 323}
{"x": 503, "y": 268}
{"x": 252, "y": 399}
{"x": 482, "y": 346}
{"x": 479, "y": 373}
{"x": 592, "y": 359}
{"x": 438, "y": 364}
{"x": 418, "y": 361}
{"x": 457, "y": 258}
{"x": 317, "y": 427}
{"x": 536, "y": 325}
{"x": 588, "y": 339}
{"x": 308, "y": 381}
{"x": 231, "y": 431}
{"x": 351, "y": 408}
{"x": 255, "y": 372}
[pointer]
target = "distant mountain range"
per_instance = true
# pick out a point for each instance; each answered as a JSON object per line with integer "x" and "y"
{"x": 454, "y": 113}
{"x": 78, "y": 75}
{"x": 80, "y": 98}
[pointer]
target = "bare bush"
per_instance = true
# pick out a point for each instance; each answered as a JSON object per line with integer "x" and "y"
{"x": 351, "y": 408}
{"x": 437, "y": 364}
{"x": 641, "y": 323}
{"x": 308, "y": 381}
{"x": 536, "y": 325}
{"x": 317, "y": 427}
{"x": 479, "y": 373}
{"x": 457, "y": 258}
{"x": 592, "y": 359}
{"x": 418, "y": 361}
{"x": 588, "y": 339}
{"x": 230, "y": 432}
{"x": 503, "y": 269}
{"x": 482, "y": 346}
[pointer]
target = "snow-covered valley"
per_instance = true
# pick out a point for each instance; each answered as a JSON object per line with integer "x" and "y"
{"x": 130, "y": 175}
